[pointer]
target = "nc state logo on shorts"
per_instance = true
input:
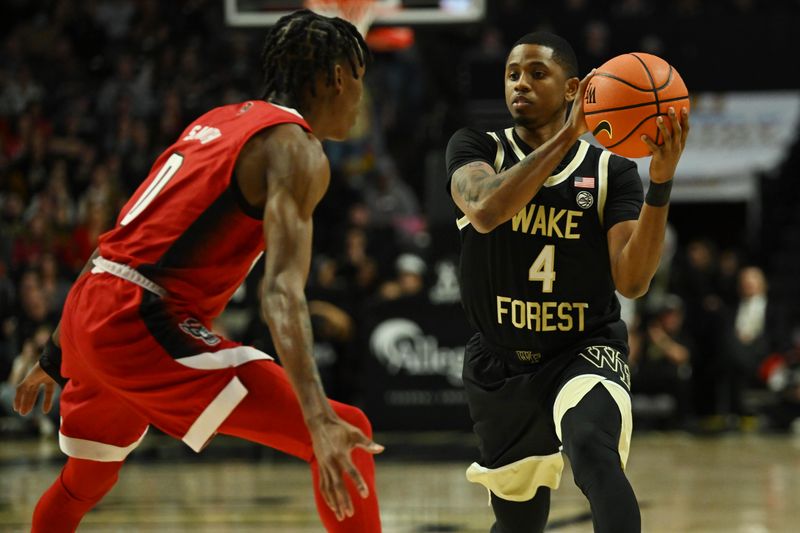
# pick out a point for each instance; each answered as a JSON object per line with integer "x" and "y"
{"x": 193, "y": 327}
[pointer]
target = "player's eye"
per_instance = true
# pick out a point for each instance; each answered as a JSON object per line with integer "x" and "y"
{"x": 513, "y": 76}
{"x": 539, "y": 74}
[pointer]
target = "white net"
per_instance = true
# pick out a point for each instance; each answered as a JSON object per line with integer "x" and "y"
{"x": 361, "y": 13}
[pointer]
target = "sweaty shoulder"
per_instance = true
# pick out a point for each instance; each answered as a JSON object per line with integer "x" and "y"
{"x": 468, "y": 145}
{"x": 296, "y": 162}
{"x": 290, "y": 147}
{"x": 284, "y": 155}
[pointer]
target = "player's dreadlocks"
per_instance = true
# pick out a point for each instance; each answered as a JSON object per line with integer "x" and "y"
{"x": 303, "y": 44}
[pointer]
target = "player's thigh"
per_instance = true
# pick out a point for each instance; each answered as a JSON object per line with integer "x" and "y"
{"x": 96, "y": 424}
{"x": 271, "y": 415}
{"x": 513, "y": 423}
{"x": 163, "y": 361}
{"x": 607, "y": 367}
{"x": 509, "y": 409}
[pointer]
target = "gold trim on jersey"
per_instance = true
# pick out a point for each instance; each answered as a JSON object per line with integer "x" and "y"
{"x": 555, "y": 179}
{"x": 602, "y": 184}
{"x": 573, "y": 165}
{"x": 501, "y": 152}
{"x": 510, "y": 136}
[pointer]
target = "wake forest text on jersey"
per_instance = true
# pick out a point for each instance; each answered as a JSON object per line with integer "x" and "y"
{"x": 544, "y": 316}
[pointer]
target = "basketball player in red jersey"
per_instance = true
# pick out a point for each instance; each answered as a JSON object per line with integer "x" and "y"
{"x": 137, "y": 348}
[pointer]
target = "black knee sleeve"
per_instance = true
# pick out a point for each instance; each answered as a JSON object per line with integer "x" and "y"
{"x": 521, "y": 517}
{"x": 591, "y": 432}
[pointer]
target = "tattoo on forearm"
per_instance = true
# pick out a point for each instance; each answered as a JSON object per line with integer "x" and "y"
{"x": 474, "y": 184}
{"x": 528, "y": 160}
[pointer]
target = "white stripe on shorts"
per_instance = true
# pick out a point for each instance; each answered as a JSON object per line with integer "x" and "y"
{"x": 224, "y": 358}
{"x": 214, "y": 415}
{"x": 96, "y": 451}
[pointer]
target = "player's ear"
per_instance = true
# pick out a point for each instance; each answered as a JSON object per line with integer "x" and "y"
{"x": 571, "y": 88}
{"x": 338, "y": 78}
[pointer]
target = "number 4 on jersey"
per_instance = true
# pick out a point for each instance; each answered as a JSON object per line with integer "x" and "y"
{"x": 543, "y": 268}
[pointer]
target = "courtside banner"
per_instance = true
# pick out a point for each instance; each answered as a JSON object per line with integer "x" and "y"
{"x": 734, "y": 138}
{"x": 412, "y": 376}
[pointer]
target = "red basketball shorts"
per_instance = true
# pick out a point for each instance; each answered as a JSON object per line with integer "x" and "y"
{"x": 135, "y": 359}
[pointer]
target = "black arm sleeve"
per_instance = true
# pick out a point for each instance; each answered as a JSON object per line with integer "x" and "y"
{"x": 625, "y": 192}
{"x": 50, "y": 361}
{"x": 468, "y": 145}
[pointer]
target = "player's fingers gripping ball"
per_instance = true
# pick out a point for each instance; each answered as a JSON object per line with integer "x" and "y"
{"x": 626, "y": 96}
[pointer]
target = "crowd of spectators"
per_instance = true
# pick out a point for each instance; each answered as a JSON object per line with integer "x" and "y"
{"x": 91, "y": 92}
{"x": 705, "y": 341}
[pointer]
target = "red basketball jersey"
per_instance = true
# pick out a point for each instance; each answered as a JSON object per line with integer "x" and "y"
{"x": 187, "y": 227}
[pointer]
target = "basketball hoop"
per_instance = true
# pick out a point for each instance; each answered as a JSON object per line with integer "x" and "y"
{"x": 362, "y": 13}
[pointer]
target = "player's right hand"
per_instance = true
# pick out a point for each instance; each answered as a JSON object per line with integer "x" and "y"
{"x": 28, "y": 391}
{"x": 333, "y": 440}
{"x": 577, "y": 119}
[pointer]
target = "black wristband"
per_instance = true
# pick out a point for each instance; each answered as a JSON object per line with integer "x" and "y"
{"x": 658, "y": 194}
{"x": 50, "y": 362}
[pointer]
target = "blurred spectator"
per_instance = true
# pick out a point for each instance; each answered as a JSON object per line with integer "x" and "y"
{"x": 391, "y": 202}
{"x": 729, "y": 266}
{"x": 661, "y": 362}
{"x": 694, "y": 280}
{"x": 54, "y": 285}
{"x": 8, "y": 304}
{"x": 11, "y": 224}
{"x": 32, "y": 242}
{"x": 781, "y": 373}
{"x": 328, "y": 285}
{"x": 358, "y": 267}
{"x": 410, "y": 278}
{"x": 103, "y": 190}
{"x": 96, "y": 219}
{"x": 753, "y": 330}
{"x": 33, "y": 309}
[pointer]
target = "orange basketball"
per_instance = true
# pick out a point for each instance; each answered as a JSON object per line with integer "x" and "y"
{"x": 624, "y": 98}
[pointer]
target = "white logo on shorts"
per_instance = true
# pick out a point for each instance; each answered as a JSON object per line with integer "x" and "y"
{"x": 196, "y": 329}
{"x": 606, "y": 356}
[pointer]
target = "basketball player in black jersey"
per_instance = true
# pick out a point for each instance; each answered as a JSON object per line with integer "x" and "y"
{"x": 550, "y": 227}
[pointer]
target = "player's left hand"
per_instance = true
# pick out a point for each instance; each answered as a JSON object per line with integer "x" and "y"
{"x": 666, "y": 156}
{"x": 28, "y": 391}
{"x": 333, "y": 440}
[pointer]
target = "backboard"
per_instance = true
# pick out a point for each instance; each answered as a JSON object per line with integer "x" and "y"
{"x": 389, "y": 12}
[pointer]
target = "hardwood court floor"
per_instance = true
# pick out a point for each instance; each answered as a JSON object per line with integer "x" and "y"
{"x": 744, "y": 484}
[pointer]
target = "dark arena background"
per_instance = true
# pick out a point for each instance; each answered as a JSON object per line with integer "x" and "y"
{"x": 91, "y": 91}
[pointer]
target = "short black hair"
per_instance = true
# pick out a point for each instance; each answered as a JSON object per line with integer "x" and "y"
{"x": 303, "y": 44}
{"x": 562, "y": 50}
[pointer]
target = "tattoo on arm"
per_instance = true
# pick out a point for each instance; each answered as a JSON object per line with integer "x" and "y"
{"x": 474, "y": 183}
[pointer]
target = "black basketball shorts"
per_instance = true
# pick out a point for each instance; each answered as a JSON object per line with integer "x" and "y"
{"x": 517, "y": 403}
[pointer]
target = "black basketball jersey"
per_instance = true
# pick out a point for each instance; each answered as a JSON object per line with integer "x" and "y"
{"x": 541, "y": 282}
